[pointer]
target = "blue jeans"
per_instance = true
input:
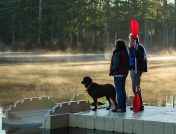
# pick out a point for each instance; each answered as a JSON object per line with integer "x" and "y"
{"x": 119, "y": 83}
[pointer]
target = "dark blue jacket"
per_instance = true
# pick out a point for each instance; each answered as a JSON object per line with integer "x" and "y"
{"x": 141, "y": 57}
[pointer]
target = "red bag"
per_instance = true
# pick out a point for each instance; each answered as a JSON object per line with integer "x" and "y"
{"x": 136, "y": 103}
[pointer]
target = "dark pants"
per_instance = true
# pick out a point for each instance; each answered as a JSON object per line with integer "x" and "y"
{"x": 119, "y": 83}
{"x": 136, "y": 80}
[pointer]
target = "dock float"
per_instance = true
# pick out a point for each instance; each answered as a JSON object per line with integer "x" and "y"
{"x": 153, "y": 120}
{"x": 76, "y": 113}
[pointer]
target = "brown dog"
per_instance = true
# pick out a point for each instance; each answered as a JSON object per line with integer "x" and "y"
{"x": 96, "y": 91}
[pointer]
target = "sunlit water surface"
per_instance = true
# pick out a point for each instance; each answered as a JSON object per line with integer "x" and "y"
{"x": 166, "y": 101}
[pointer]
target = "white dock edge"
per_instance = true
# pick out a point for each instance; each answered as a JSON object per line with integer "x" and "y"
{"x": 28, "y": 111}
{"x": 56, "y": 121}
{"x": 58, "y": 117}
{"x": 42, "y": 110}
{"x": 154, "y": 120}
{"x": 148, "y": 127}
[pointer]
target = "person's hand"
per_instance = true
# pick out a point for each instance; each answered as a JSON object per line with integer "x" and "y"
{"x": 130, "y": 44}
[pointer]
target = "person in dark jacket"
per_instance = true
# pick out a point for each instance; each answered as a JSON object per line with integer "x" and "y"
{"x": 119, "y": 69}
{"x": 138, "y": 65}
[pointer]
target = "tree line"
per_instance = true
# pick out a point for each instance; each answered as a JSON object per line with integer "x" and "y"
{"x": 86, "y": 25}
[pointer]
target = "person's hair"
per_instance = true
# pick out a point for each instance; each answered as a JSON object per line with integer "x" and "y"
{"x": 137, "y": 39}
{"x": 120, "y": 45}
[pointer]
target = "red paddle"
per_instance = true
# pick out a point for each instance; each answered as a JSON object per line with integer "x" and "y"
{"x": 134, "y": 30}
{"x": 136, "y": 102}
{"x": 134, "y": 27}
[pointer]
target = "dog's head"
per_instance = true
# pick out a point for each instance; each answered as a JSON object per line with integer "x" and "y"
{"x": 86, "y": 81}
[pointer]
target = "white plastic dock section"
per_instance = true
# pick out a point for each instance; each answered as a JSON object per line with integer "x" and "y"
{"x": 42, "y": 111}
{"x": 28, "y": 111}
{"x": 1, "y": 114}
{"x": 48, "y": 114}
{"x": 58, "y": 116}
{"x": 153, "y": 120}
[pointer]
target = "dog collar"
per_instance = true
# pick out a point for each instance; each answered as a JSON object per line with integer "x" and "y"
{"x": 89, "y": 86}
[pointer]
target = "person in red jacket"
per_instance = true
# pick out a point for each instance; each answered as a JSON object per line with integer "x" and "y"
{"x": 119, "y": 69}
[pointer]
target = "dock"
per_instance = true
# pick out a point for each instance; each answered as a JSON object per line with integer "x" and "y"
{"x": 76, "y": 113}
{"x": 153, "y": 120}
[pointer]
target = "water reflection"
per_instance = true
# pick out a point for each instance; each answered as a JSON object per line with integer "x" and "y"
{"x": 32, "y": 130}
{"x": 167, "y": 101}
{"x": 24, "y": 130}
{"x": 13, "y": 58}
{"x": 170, "y": 101}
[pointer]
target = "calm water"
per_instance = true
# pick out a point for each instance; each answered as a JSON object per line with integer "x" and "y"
{"x": 23, "y": 58}
{"x": 35, "y": 130}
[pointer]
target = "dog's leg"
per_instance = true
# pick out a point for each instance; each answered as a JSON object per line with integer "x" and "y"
{"x": 109, "y": 103}
{"x": 95, "y": 102}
